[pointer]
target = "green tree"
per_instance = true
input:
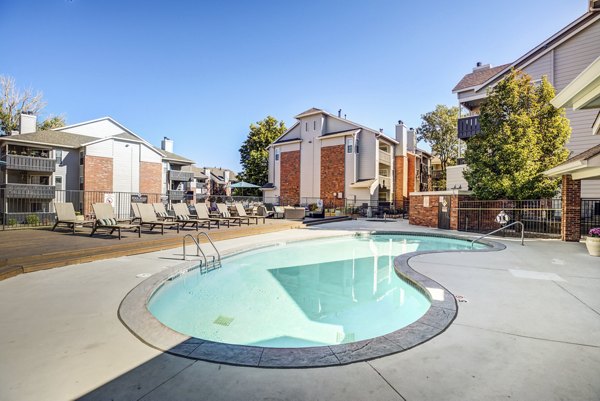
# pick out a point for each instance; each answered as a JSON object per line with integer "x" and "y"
{"x": 254, "y": 156}
{"x": 439, "y": 129}
{"x": 522, "y": 135}
{"x": 52, "y": 122}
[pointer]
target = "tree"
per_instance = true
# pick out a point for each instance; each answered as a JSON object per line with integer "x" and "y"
{"x": 13, "y": 102}
{"x": 254, "y": 156}
{"x": 52, "y": 122}
{"x": 439, "y": 129}
{"x": 522, "y": 135}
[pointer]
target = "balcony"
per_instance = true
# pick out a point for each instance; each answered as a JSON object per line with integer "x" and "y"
{"x": 28, "y": 191}
{"x": 176, "y": 195}
{"x": 176, "y": 175}
{"x": 30, "y": 163}
{"x": 385, "y": 182}
{"x": 385, "y": 158}
{"x": 468, "y": 126}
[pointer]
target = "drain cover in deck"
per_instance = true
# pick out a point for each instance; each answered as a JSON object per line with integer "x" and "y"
{"x": 223, "y": 320}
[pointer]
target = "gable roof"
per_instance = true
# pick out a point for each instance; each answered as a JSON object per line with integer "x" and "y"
{"x": 311, "y": 111}
{"x": 546, "y": 46}
{"x": 478, "y": 77}
{"x": 172, "y": 156}
{"x": 52, "y": 138}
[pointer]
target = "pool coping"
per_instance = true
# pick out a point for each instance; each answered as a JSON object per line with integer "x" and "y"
{"x": 136, "y": 317}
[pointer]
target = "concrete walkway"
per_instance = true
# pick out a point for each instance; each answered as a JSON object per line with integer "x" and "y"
{"x": 529, "y": 331}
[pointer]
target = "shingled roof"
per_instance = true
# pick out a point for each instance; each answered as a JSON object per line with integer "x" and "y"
{"x": 56, "y": 138}
{"x": 478, "y": 77}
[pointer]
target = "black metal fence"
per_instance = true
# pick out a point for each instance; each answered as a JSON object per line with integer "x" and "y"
{"x": 590, "y": 215}
{"x": 540, "y": 217}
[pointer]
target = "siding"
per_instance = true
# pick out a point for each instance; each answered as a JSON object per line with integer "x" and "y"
{"x": 149, "y": 155}
{"x": 335, "y": 125}
{"x": 126, "y": 167}
{"x": 100, "y": 149}
{"x": 541, "y": 67}
{"x": 454, "y": 177}
{"x": 367, "y": 155}
{"x": 100, "y": 129}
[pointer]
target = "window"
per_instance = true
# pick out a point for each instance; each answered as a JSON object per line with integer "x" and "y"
{"x": 356, "y": 147}
{"x": 276, "y": 154}
{"x": 58, "y": 183}
{"x": 306, "y": 127}
{"x": 315, "y": 125}
{"x": 59, "y": 156}
{"x": 81, "y": 158}
{"x": 349, "y": 143}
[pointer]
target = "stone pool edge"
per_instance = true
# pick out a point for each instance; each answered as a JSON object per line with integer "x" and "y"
{"x": 134, "y": 315}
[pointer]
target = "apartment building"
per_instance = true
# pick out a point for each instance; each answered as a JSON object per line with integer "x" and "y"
{"x": 99, "y": 156}
{"x": 212, "y": 181}
{"x": 328, "y": 157}
{"x": 560, "y": 58}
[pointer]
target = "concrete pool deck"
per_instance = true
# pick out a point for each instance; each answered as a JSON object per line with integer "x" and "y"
{"x": 529, "y": 331}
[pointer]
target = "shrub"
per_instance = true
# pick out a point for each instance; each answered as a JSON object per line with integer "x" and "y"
{"x": 32, "y": 220}
{"x": 12, "y": 222}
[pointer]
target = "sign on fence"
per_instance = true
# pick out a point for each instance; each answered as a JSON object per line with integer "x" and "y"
{"x": 137, "y": 198}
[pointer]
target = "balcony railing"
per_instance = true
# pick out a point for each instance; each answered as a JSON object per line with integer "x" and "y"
{"x": 176, "y": 175}
{"x": 468, "y": 126}
{"x": 30, "y": 191}
{"x": 30, "y": 163}
{"x": 385, "y": 157}
{"x": 175, "y": 194}
{"x": 385, "y": 182}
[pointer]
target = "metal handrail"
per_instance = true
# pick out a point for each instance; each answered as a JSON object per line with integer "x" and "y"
{"x": 500, "y": 229}
{"x": 198, "y": 249}
{"x": 209, "y": 240}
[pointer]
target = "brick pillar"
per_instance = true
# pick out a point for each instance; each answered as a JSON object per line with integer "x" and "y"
{"x": 411, "y": 173}
{"x": 290, "y": 177}
{"x": 332, "y": 174}
{"x": 571, "y": 209}
{"x": 400, "y": 193}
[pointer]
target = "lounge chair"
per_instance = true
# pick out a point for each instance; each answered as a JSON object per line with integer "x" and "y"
{"x": 148, "y": 218}
{"x": 136, "y": 212}
{"x": 226, "y": 215}
{"x": 183, "y": 216}
{"x": 202, "y": 213}
{"x": 279, "y": 212}
{"x": 105, "y": 219}
{"x": 161, "y": 212}
{"x": 65, "y": 214}
{"x": 242, "y": 213}
{"x": 267, "y": 210}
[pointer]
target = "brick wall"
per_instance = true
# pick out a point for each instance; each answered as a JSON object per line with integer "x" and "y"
{"x": 289, "y": 177}
{"x": 151, "y": 178}
{"x": 421, "y": 215}
{"x": 412, "y": 159}
{"x": 98, "y": 173}
{"x": 571, "y": 209}
{"x": 399, "y": 190}
{"x": 332, "y": 173}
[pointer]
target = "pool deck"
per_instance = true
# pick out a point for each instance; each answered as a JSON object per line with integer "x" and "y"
{"x": 529, "y": 331}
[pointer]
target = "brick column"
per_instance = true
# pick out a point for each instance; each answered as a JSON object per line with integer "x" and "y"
{"x": 571, "y": 209}
{"x": 290, "y": 178}
{"x": 332, "y": 174}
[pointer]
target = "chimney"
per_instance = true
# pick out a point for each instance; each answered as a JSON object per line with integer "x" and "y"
{"x": 401, "y": 138}
{"x": 411, "y": 141}
{"x": 226, "y": 175}
{"x": 340, "y": 113}
{"x": 27, "y": 123}
{"x": 166, "y": 144}
{"x": 381, "y": 130}
{"x": 480, "y": 66}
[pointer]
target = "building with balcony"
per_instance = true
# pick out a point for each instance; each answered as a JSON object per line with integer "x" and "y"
{"x": 80, "y": 163}
{"x": 327, "y": 157}
{"x": 560, "y": 58}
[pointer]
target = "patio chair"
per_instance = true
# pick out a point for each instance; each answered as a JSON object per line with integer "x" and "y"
{"x": 148, "y": 218}
{"x": 105, "y": 219}
{"x": 224, "y": 210}
{"x": 242, "y": 213}
{"x": 161, "y": 212}
{"x": 269, "y": 210}
{"x": 65, "y": 214}
{"x": 183, "y": 216}
{"x": 279, "y": 212}
{"x": 202, "y": 213}
{"x": 136, "y": 212}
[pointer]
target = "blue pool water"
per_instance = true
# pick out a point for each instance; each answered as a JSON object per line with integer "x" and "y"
{"x": 308, "y": 293}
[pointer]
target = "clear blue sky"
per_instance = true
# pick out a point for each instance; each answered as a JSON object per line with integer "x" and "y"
{"x": 200, "y": 72}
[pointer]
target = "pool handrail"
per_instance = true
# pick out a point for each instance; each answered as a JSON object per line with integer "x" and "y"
{"x": 500, "y": 229}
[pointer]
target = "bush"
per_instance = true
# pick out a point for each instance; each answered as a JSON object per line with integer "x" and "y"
{"x": 32, "y": 220}
{"x": 12, "y": 222}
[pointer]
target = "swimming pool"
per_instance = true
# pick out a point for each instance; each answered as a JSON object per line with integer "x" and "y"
{"x": 309, "y": 293}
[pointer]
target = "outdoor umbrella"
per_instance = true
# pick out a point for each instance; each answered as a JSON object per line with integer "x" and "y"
{"x": 242, "y": 185}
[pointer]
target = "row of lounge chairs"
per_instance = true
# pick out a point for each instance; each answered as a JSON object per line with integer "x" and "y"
{"x": 152, "y": 216}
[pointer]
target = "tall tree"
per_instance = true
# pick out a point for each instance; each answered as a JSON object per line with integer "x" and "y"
{"x": 522, "y": 135}
{"x": 13, "y": 102}
{"x": 52, "y": 122}
{"x": 439, "y": 129}
{"x": 254, "y": 156}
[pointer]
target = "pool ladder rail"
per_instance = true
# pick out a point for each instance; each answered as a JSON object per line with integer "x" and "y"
{"x": 500, "y": 229}
{"x": 206, "y": 263}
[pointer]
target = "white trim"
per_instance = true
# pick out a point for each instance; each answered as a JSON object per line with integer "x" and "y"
{"x": 285, "y": 143}
{"x": 339, "y": 134}
{"x": 285, "y": 133}
{"x": 596, "y": 125}
{"x": 589, "y": 172}
{"x": 41, "y": 144}
{"x": 565, "y": 168}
